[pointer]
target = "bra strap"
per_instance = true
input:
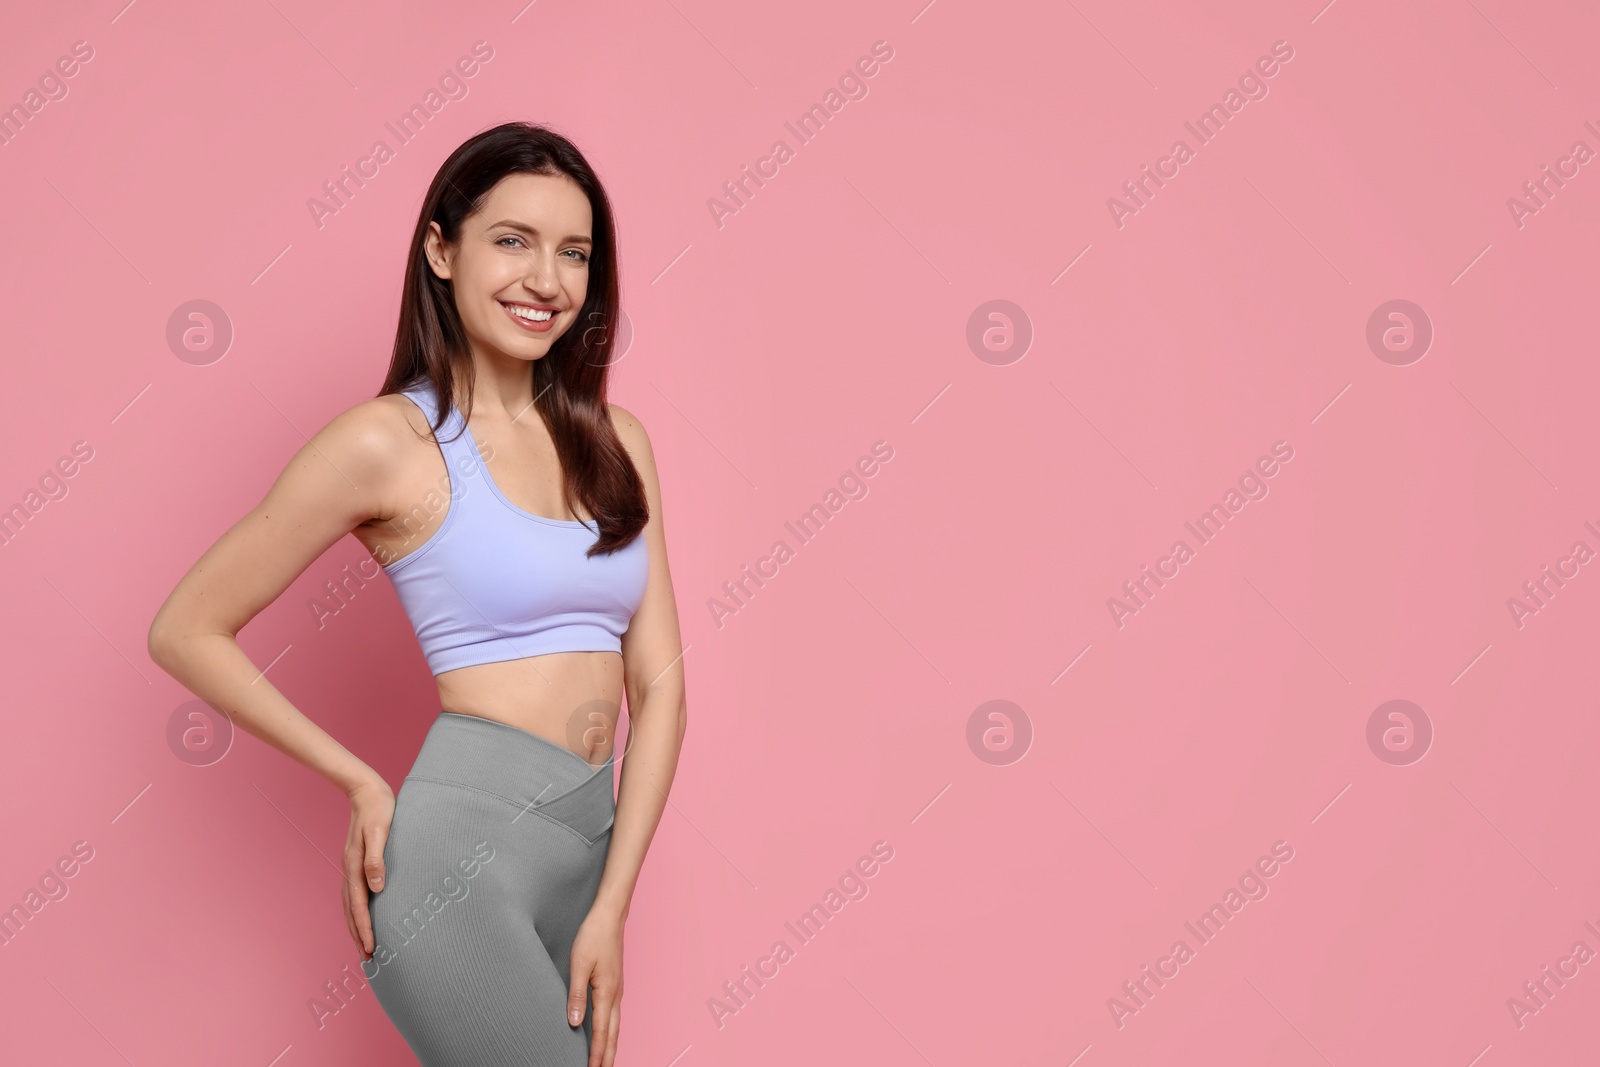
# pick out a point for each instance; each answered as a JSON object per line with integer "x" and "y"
{"x": 453, "y": 441}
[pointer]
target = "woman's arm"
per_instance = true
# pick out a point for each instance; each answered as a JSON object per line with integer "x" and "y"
{"x": 652, "y": 665}
{"x": 652, "y": 654}
{"x": 330, "y": 486}
{"x": 339, "y": 480}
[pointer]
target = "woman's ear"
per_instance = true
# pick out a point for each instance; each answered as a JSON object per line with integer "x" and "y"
{"x": 434, "y": 247}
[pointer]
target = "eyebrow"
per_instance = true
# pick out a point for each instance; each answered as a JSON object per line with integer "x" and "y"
{"x": 525, "y": 228}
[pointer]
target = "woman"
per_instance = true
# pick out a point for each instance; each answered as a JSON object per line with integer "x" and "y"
{"x": 518, "y": 516}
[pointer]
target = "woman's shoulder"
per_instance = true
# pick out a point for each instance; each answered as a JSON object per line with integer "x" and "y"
{"x": 631, "y": 432}
{"x": 370, "y": 436}
{"x": 628, "y": 427}
{"x": 382, "y": 419}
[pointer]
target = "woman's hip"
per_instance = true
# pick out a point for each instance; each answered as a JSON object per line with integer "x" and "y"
{"x": 493, "y": 825}
{"x": 529, "y": 775}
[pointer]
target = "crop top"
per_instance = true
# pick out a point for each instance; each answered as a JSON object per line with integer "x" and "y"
{"x": 495, "y": 582}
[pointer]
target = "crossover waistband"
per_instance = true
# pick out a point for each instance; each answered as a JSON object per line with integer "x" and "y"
{"x": 523, "y": 768}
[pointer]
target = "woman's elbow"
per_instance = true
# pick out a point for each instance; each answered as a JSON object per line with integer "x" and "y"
{"x": 167, "y": 636}
{"x": 161, "y": 643}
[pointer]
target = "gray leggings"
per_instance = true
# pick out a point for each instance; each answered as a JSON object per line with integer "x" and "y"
{"x": 493, "y": 860}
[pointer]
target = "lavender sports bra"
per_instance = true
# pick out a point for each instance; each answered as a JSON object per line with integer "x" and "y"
{"x": 495, "y": 582}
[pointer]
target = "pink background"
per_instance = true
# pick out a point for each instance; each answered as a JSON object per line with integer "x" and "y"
{"x": 832, "y": 710}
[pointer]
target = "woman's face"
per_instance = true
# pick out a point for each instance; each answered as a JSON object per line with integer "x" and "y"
{"x": 520, "y": 270}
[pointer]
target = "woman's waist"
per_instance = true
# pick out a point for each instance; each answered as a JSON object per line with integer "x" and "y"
{"x": 527, "y": 681}
{"x": 504, "y": 760}
{"x": 571, "y": 699}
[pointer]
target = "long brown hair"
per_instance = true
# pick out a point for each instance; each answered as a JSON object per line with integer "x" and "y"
{"x": 569, "y": 382}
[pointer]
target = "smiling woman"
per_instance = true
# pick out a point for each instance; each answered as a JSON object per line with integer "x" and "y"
{"x": 532, "y": 315}
{"x": 536, "y": 580}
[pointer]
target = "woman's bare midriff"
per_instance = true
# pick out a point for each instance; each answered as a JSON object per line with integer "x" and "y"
{"x": 570, "y": 699}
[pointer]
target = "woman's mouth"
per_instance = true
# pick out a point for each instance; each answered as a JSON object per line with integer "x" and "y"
{"x": 535, "y": 320}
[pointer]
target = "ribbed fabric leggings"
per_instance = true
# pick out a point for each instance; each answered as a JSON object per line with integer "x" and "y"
{"x": 493, "y": 860}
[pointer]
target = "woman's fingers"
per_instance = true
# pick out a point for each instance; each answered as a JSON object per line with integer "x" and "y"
{"x": 598, "y": 1038}
{"x": 355, "y": 893}
{"x": 597, "y": 967}
{"x": 611, "y": 1034}
{"x": 355, "y": 888}
{"x": 377, "y": 835}
{"x": 371, "y": 812}
{"x": 578, "y": 990}
{"x": 607, "y": 1002}
{"x": 349, "y": 917}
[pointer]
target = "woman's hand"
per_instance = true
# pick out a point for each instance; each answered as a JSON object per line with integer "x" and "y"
{"x": 597, "y": 961}
{"x": 371, "y": 812}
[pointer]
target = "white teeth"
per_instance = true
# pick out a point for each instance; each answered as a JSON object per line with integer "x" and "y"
{"x": 529, "y": 313}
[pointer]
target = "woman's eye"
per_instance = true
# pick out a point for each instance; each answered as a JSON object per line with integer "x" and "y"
{"x": 582, "y": 256}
